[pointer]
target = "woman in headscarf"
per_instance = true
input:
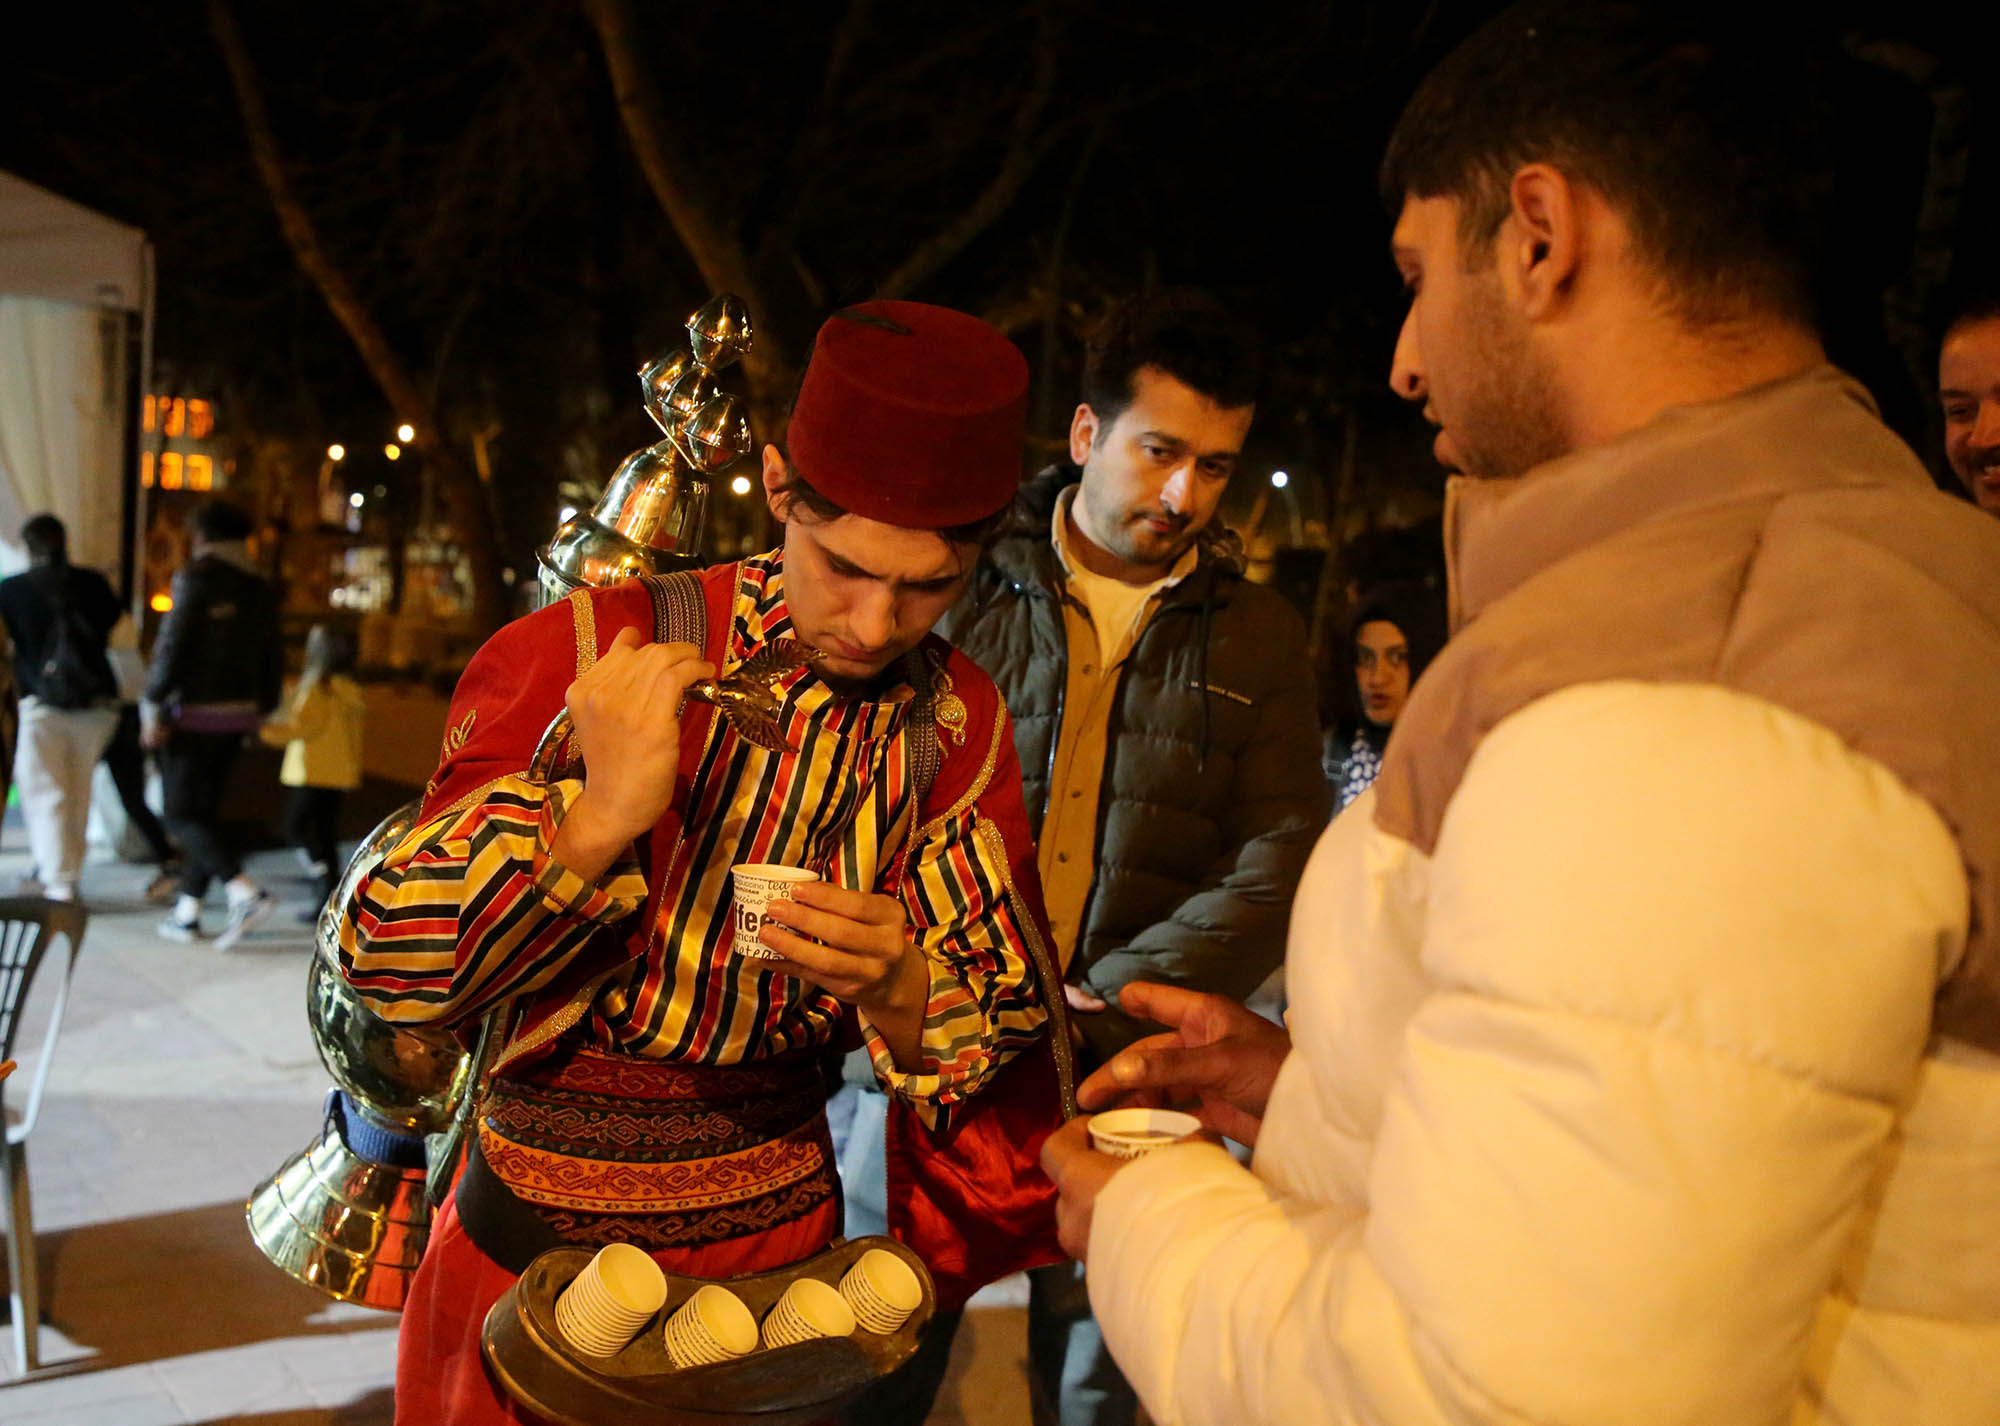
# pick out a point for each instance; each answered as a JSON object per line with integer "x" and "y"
{"x": 1395, "y": 631}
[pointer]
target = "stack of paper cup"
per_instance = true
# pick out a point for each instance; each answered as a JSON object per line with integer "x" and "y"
{"x": 711, "y": 1326}
{"x": 882, "y": 1289}
{"x": 607, "y": 1303}
{"x": 808, "y": 1309}
{"x": 758, "y": 884}
{"x": 1128, "y": 1133}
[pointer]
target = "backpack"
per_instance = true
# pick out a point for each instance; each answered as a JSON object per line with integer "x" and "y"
{"x": 73, "y": 672}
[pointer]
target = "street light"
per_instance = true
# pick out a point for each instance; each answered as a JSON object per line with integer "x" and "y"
{"x": 393, "y": 452}
{"x": 406, "y": 433}
{"x": 1279, "y": 480}
{"x": 355, "y": 499}
{"x": 741, "y": 485}
{"x": 336, "y": 451}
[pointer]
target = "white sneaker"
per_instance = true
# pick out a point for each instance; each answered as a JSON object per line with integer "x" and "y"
{"x": 186, "y": 932}
{"x": 59, "y": 891}
{"x": 245, "y": 916}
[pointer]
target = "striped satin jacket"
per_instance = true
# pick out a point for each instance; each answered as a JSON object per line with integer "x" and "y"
{"x": 470, "y": 908}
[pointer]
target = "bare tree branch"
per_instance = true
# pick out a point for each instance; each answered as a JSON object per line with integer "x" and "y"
{"x": 1024, "y": 151}
{"x": 406, "y": 398}
{"x": 720, "y": 257}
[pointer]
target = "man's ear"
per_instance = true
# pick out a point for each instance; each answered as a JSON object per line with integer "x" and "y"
{"x": 1541, "y": 243}
{"x": 1082, "y": 433}
{"x": 775, "y": 494}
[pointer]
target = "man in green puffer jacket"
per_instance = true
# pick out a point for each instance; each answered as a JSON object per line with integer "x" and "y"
{"x": 1165, "y": 717}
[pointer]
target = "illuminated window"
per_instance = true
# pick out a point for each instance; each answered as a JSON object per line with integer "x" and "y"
{"x": 146, "y": 464}
{"x": 176, "y": 421}
{"x": 200, "y": 473}
{"x": 146, "y": 414}
{"x": 200, "y": 420}
{"x": 170, "y": 470}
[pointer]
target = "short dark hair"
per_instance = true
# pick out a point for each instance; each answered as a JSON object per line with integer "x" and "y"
{"x": 1184, "y": 332}
{"x": 219, "y": 522}
{"x": 1703, "y": 125}
{"x": 1965, "y": 308}
{"x": 46, "y": 540}
{"x": 796, "y": 488}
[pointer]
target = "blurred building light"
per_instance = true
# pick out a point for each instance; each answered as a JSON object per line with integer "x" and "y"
{"x": 566, "y": 514}
{"x": 741, "y": 485}
{"x": 336, "y": 451}
{"x": 160, "y": 603}
{"x": 406, "y": 433}
{"x": 200, "y": 473}
{"x": 146, "y": 466}
{"x": 170, "y": 470}
{"x": 175, "y": 421}
{"x": 146, "y": 413}
{"x": 381, "y": 492}
{"x": 200, "y": 419}
{"x": 1279, "y": 480}
{"x": 393, "y": 452}
{"x": 355, "y": 499}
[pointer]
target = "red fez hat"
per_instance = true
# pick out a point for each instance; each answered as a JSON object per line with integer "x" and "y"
{"x": 911, "y": 415}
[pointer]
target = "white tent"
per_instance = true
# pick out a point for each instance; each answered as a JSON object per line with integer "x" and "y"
{"x": 71, "y": 283}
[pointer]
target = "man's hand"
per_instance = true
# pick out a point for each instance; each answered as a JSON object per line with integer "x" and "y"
{"x": 856, "y": 946}
{"x": 626, "y": 709}
{"x": 1215, "y": 1053}
{"x": 1080, "y": 1002}
{"x": 1080, "y": 1173}
{"x": 153, "y": 728}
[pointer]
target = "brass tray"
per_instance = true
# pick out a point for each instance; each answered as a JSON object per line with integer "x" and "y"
{"x": 641, "y": 1386}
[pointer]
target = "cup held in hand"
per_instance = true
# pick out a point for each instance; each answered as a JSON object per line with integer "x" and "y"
{"x": 1129, "y": 1133}
{"x": 882, "y": 1289}
{"x": 757, "y": 885}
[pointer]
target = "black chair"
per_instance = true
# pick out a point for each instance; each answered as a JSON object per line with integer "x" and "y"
{"x": 28, "y": 925}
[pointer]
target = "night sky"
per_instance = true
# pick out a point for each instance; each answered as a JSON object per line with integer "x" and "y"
{"x": 467, "y": 168}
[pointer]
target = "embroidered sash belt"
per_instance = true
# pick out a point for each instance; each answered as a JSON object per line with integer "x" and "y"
{"x": 605, "y": 1147}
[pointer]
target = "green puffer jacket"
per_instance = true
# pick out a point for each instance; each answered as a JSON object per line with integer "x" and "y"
{"x": 1213, "y": 796}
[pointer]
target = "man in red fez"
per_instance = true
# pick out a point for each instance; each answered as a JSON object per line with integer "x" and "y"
{"x": 656, "y": 1086}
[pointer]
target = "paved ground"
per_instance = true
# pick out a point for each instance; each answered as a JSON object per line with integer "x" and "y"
{"x": 183, "y": 1078}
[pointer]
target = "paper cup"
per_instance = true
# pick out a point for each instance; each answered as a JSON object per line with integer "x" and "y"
{"x": 808, "y": 1309}
{"x": 882, "y": 1289}
{"x": 711, "y": 1326}
{"x": 1128, "y": 1133}
{"x": 607, "y": 1303}
{"x": 758, "y": 884}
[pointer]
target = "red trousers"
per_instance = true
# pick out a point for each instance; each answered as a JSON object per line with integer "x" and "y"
{"x": 441, "y": 1378}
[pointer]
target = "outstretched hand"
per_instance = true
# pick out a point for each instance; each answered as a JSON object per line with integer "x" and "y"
{"x": 1216, "y": 1056}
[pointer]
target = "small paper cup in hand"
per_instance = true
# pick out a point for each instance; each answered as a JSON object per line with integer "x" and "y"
{"x": 882, "y": 1289}
{"x": 711, "y": 1326}
{"x": 1128, "y": 1133}
{"x": 607, "y": 1303}
{"x": 808, "y": 1309}
{"x": 758, "y": 884}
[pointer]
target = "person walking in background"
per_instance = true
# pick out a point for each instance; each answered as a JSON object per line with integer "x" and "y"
{"x": 59, "y": 617}
{"x": 321, "y": 733}
{"x": 125, "y": 760}
{"x": 1969, "y": 393}
{"x": 217, "y": 670}
{"x": 1396, "y": 630}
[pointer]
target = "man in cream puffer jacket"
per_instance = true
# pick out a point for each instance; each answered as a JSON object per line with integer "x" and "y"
{"x": 1644, "y": 1054}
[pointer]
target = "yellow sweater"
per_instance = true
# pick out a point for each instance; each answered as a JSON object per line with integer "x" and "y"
{"x": 321, "y": 734}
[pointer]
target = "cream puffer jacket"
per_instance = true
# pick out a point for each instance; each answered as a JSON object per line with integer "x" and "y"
{"x": 1646, "y": 1039}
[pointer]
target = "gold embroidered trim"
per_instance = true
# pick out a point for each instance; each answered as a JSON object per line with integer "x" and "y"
{"x": 947, "y": 707}
{"x": 584, "y": 614}
{"x": 1048, "y": 980}
{"x": 556, "y": 1024}
{"x": 985, "y": 776}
